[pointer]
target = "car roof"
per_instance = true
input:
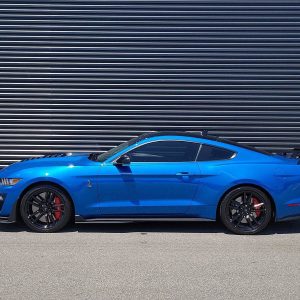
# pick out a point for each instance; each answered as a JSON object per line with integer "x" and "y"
{"x": 199, "y": 134}
{"x": 203, "y": 134}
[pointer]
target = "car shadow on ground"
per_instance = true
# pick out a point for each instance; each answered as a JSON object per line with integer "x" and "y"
{"x": 291, "y": 227}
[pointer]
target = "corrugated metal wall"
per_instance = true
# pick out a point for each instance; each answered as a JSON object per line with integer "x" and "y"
{"x": 74, "y": 74}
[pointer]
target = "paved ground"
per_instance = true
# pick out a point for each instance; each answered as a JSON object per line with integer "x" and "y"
{"x": 150, "y": 261}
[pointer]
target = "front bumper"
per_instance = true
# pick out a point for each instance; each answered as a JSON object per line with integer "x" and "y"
{"x": 7, "y": 220}
{"x": 9, "y": 205}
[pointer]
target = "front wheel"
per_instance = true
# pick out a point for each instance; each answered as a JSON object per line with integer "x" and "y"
{"x": 45, "y": 208}
{"x": 246, "y": 210}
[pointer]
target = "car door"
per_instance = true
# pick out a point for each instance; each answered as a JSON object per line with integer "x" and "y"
{"x": 161, "y": 180}
{"x": 212, "y": 161}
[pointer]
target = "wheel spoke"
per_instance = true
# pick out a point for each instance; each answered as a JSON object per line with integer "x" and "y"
{"x": 235, "y": 204}
{"x": 248, "y": 199}
{"x": 38, "y": 217}
{"x": 239, "y": 221}
{"x": 41, "y": 199}
{"x": 249, "y": 222}
{"x": 244, "y": 197}
{"x": 48, "y": 219}
{"x": 254, "y": 220}
{"x": 51, "y": 197}
{"x": 48, "y": 196}
{"x": 34, "y": 203}
{"x": 51, "y": 218}
{"x": 235, "y": 217}
{"x": 34, "y": 214}
{"x": 34, "y": 199}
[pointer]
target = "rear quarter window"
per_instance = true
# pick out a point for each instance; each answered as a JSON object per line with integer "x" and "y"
{"x": 209, "y": 153}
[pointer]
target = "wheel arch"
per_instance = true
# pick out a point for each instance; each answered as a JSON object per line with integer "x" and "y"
{"x": 16, "y": 210}
{"x": 251, "y": 185}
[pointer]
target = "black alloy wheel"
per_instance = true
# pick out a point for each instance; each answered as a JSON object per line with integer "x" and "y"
{"x": 246, "y": 210}
{"x": 45, "y": 209}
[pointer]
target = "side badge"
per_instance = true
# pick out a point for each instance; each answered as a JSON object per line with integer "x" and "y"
{"x": 89, "y": 184}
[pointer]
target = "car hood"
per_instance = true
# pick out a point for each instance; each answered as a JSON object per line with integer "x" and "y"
{"x": 75, "y": 159}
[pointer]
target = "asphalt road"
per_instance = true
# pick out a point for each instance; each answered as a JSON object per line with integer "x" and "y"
{"x": 150, "y": 261}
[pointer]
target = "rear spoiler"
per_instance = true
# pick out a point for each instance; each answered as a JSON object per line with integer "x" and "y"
{"x": 294, "y": 154}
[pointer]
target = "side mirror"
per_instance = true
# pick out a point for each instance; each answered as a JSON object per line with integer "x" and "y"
{"x": 123, "y": 160}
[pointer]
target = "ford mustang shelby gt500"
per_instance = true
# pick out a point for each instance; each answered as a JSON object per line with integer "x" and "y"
{"x": 174, "y": 176}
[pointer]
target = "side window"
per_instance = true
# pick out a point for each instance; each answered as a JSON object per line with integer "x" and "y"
{"x": 165, "y": 151}
{"x": 208, "y": 153}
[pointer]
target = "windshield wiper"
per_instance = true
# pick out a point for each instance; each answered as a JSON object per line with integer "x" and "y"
{"x": 94, "y": 156}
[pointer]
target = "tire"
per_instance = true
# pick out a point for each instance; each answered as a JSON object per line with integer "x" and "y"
{"x": 45, "y": 208}
{"x": 246, "y": 210}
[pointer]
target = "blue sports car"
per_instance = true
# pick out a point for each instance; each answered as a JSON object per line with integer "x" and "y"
{"x": 173, "y": 176}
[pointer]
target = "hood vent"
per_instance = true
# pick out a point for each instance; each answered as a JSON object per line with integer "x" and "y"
{"x": 50, "y": 155}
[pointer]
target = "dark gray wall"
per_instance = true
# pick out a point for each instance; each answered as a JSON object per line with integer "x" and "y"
{"x": 74, "y": 74}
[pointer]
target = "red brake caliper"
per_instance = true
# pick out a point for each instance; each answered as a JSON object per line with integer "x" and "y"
{"x": 58, "y": 210}
{"x": 256, "y": 206}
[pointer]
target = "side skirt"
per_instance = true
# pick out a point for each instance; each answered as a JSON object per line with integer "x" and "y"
{"x": 80, "y": 219}
{"x": 293, "y": 218}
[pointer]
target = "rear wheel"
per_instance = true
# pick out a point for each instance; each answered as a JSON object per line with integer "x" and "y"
{"x": 246, "y": 210}
{"x": 45, "y": 209}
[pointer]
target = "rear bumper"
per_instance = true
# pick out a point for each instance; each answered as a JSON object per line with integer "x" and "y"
{"x": 289, "y": 210}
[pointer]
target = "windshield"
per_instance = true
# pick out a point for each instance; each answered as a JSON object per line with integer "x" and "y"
{"x": 104, "y": 156}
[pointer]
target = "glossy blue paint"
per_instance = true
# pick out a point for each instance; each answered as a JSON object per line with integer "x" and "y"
{"x": 103, "y": 189}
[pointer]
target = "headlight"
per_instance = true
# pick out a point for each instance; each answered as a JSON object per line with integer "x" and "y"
{"x": 9, "y": 181}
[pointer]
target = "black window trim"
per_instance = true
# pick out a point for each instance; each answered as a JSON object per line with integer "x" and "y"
{"x": 161, "y": 162}
{"x": 234, "y": 153}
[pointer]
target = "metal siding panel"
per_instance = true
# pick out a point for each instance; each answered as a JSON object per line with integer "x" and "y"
{"x": 87, "y": 75}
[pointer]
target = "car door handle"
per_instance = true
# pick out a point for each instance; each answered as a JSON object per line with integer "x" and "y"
{"x": 183, "y": 174}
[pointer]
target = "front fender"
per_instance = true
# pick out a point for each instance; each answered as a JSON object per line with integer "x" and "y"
{"x": 13, "y": 194}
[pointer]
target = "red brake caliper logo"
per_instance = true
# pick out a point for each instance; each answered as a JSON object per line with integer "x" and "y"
{"x": 256, "y": 206}
{"x": 57, "y": 204}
